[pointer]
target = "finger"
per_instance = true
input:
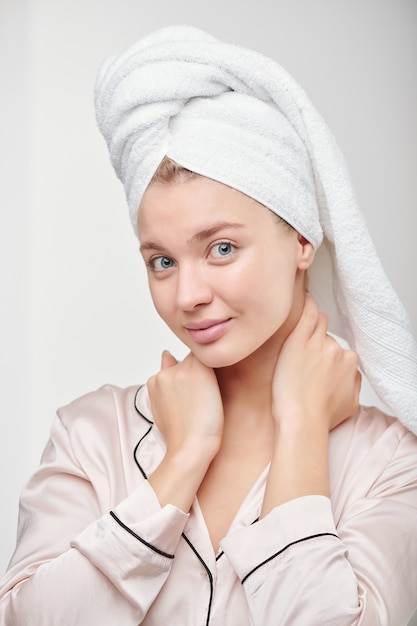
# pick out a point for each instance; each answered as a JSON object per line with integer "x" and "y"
{"x": 322, "y": 327}
{"x": 313, "y": 321}
{"x": 167, "y": 360}
{"x": 358, "y": 382}
{"x": 308, "y": 320}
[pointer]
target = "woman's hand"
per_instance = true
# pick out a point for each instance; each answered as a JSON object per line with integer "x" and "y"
{"x": 315, "y": 387}
{"x": 315, "y": 380}
{"x": 186, "y": 405}
{"x": 188, "y": 410}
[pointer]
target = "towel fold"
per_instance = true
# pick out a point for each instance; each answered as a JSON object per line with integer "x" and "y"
{"x": 236, "y": 116}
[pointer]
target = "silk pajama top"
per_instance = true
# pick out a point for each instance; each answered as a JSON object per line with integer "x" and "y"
{"x": 96, "y": 548}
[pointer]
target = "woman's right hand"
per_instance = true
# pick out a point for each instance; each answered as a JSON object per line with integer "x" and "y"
{"x": 186, "y": 404}
{"x": 187, "y": 408}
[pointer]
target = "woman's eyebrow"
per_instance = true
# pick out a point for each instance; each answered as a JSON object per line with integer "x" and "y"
{"x": 209, "y": 232}
{"x": 150, "y": 245}
{"x": 200, "y": 236}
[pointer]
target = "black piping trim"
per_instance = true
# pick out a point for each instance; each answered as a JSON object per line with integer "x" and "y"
{"x": 293, "y": 543}
{"x": 142, "y": 471}
{"x": 148, "y": 545}
{"x": 136, "y": 407}
{"x": 209, "y": 575}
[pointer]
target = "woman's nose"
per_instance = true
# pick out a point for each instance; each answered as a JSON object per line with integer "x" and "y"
{"x": 193, "y": 288}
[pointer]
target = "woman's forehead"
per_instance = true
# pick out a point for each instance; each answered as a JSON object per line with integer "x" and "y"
{"x": 200, "y": 202}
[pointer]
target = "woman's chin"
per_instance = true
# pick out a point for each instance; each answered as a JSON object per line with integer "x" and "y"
{"x": 218, "y": 359}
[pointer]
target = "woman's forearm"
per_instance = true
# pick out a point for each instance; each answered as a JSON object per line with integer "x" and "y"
{"x": 299, "y": 465}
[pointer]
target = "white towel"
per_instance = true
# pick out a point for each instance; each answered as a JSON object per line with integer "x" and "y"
{"x": 238, "y": 117}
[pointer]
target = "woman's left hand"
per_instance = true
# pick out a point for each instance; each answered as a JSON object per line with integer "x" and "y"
{"x": 315, "y": 387}
{"x": 316, "y": 381}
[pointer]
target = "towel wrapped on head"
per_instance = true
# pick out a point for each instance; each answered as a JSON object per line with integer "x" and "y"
{"x": 237, "y": 117}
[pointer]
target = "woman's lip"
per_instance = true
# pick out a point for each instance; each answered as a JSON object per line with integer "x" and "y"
{"x": 207, "y": 330}
{"x": 203, "y": 324}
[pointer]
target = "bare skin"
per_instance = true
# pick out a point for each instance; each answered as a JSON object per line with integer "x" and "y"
{"x": 208, "y": 459}
{"x": 277, "y": 405}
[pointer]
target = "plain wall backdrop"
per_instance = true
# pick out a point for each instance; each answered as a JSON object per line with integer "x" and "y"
{"x": 75, "y": 312}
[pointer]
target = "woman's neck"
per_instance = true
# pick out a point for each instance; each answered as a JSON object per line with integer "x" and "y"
{"x": 246, "y": 390}
{"x": 246, "y": 387}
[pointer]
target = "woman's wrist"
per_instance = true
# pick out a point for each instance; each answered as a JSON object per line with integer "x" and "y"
{"x": 299, "y": 465}
{"x": 177, "y": 479}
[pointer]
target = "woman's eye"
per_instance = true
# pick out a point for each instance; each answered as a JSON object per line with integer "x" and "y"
{"x": 222, "y": 249}
{"x": 160, "y": 263}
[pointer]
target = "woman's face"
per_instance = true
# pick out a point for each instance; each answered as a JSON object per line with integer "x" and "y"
{"x": 224, "y": 274}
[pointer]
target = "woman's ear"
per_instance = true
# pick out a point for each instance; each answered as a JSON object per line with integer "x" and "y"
{"x": 306, "y": 253}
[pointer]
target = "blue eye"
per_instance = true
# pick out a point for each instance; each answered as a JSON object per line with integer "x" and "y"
{"x": 222, "y": 249}
{"x": 160, "y": 263}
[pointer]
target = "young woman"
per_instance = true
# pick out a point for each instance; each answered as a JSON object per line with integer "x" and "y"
{"x": 243, "y": 485}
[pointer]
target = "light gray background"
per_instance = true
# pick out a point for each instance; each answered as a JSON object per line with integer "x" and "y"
{"x": 75, "y": 312}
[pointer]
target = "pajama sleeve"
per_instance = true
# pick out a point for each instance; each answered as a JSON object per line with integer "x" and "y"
{"x": 298, "y": 569}
{"x": 75, "y": 565}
